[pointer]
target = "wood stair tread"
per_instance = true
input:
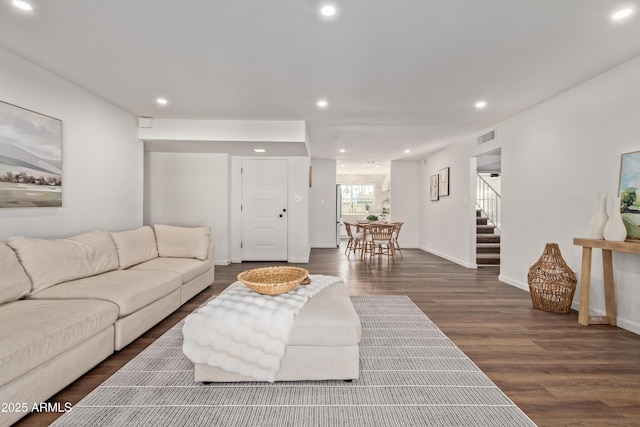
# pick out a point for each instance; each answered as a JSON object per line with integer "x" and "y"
{"x": 487, "y": 248}
{"x": 485, "y": 229}
{"x": 488, "y": 259}
{"x": 487, "y": 238}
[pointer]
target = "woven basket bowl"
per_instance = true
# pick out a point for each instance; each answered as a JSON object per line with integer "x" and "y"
{"x": 273, "y": 280}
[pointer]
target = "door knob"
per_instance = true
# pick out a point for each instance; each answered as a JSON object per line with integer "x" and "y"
{"x": 284, "y": 210}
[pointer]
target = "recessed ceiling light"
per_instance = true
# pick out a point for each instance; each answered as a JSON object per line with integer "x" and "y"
{"x": 407, "y": 151}
{"x": 342, "y": 150}
{"x": 22, "y": 5}
{"x": 328, "y": 10}
{"x": 259, "y": 150}
{"x": 162, "y": 101}
{"x": 621, "y": 14}
{"x": 322, "y": 103}
{"x": 481, "y": 104}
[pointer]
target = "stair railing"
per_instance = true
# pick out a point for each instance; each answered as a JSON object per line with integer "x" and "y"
{"x": 489, "y": 202}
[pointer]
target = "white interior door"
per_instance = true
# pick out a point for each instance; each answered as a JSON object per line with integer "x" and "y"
{"x": 264, "y": 210}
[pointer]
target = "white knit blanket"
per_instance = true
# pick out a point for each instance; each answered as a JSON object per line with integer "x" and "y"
{"x": 245, "y": 332}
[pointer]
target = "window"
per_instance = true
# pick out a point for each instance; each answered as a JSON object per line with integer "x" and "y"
{"x": 357, "y": 198}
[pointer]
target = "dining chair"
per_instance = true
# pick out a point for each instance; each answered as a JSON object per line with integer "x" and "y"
{"x": 355, "y": 240}
{"x": 396, "y": 233}
{"x": 379, "y": 241}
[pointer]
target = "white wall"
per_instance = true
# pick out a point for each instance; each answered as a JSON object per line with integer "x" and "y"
{"x": 322, "y": 204}
{"x": 102, "y": 157}
{"x": 556, "y": 156}
{"x": 447, "y": 225}
{"x": 299, "y": 216}
{"x": 190, "y": 190}
{"x": 405, "y": 203}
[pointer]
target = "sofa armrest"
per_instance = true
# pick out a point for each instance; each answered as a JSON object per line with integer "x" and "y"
{"x": 211, "y": 253}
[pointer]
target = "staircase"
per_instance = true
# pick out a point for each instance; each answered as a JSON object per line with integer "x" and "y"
{"x": 487, "y": 242}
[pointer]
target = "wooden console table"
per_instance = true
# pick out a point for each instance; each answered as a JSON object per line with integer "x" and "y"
{"x": 608, "y": 248}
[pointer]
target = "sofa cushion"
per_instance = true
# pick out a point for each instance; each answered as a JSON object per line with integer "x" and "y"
{"x": 35, "y": 331}
{"x": 189, "y": 268}
{"x": 135, "y": 246}
{"x": 182, "y": 242}
{"x": 14, "y": 282}
{"x": 328, "y": 319}
{"x": 49, "y": 262}
{"x": 131, "y": 290}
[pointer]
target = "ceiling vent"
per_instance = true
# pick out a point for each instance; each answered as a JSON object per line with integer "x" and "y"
{"x": 489, "y": 136}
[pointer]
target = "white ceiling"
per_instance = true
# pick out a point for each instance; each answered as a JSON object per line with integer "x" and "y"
{"x": 362, "y": 167}
{"x": 397, "y": 75}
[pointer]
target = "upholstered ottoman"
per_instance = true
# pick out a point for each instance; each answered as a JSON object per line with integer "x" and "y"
{"x": 323, "y": 343}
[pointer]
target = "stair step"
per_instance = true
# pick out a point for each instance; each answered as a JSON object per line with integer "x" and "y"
{"x": 487, "y": 259}
{"x": 485, "y": 229}
{"x": 488, "y": 248}
{"x": 487, "y": 238}
{"x": 487, "y": 242}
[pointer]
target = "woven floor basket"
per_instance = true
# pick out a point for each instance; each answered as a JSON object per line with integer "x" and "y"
{"x": 551, "y": 282}
{"x": 273, "y": 280}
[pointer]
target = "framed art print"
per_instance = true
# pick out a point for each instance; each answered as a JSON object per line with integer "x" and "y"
{"x": 628, "y": 189}
{"x": 443, "y": 187}
{"x": 433, "y": 187}
{"x": 30, "y": 158}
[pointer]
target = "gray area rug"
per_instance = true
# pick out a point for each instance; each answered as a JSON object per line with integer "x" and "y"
{"x": 411, "y": 374}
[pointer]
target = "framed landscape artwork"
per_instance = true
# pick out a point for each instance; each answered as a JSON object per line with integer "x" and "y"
{"x": 443, "y": 188}
{"x": 433, "y": 187}
{"x": 628, "y": 190}
{"x": 30, "y": 158}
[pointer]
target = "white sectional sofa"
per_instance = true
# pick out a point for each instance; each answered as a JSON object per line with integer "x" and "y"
{"x": 67, "y": 304}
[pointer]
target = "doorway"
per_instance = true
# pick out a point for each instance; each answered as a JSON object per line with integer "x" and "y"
{"x": 364, "y": 191}
{"x": 264, "y": 210}
{"x": 488, "y": 208}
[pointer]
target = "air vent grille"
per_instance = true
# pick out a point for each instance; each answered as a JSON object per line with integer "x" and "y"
{"x": 489, "y": 136}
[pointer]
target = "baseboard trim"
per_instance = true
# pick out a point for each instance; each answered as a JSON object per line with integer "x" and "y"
{"x": 291, "y": 260}
{"x": 515, "y": 283}
{"x": 449, "y": 258}
{"x": 298, "y": 260}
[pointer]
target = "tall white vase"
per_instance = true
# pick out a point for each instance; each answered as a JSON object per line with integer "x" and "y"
{"x": 599, "y": 220}
{"x": 615, "y": 229}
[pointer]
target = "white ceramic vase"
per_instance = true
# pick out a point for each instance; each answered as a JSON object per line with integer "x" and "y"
{"x": 615, "y": 230}
{"x": 599, "y": 220}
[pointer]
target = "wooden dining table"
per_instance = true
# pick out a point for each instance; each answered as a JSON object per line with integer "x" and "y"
{"x": 364, "y": 226}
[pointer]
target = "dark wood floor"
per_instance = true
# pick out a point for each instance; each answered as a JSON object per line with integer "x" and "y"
{"x": 558, "y": 372}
